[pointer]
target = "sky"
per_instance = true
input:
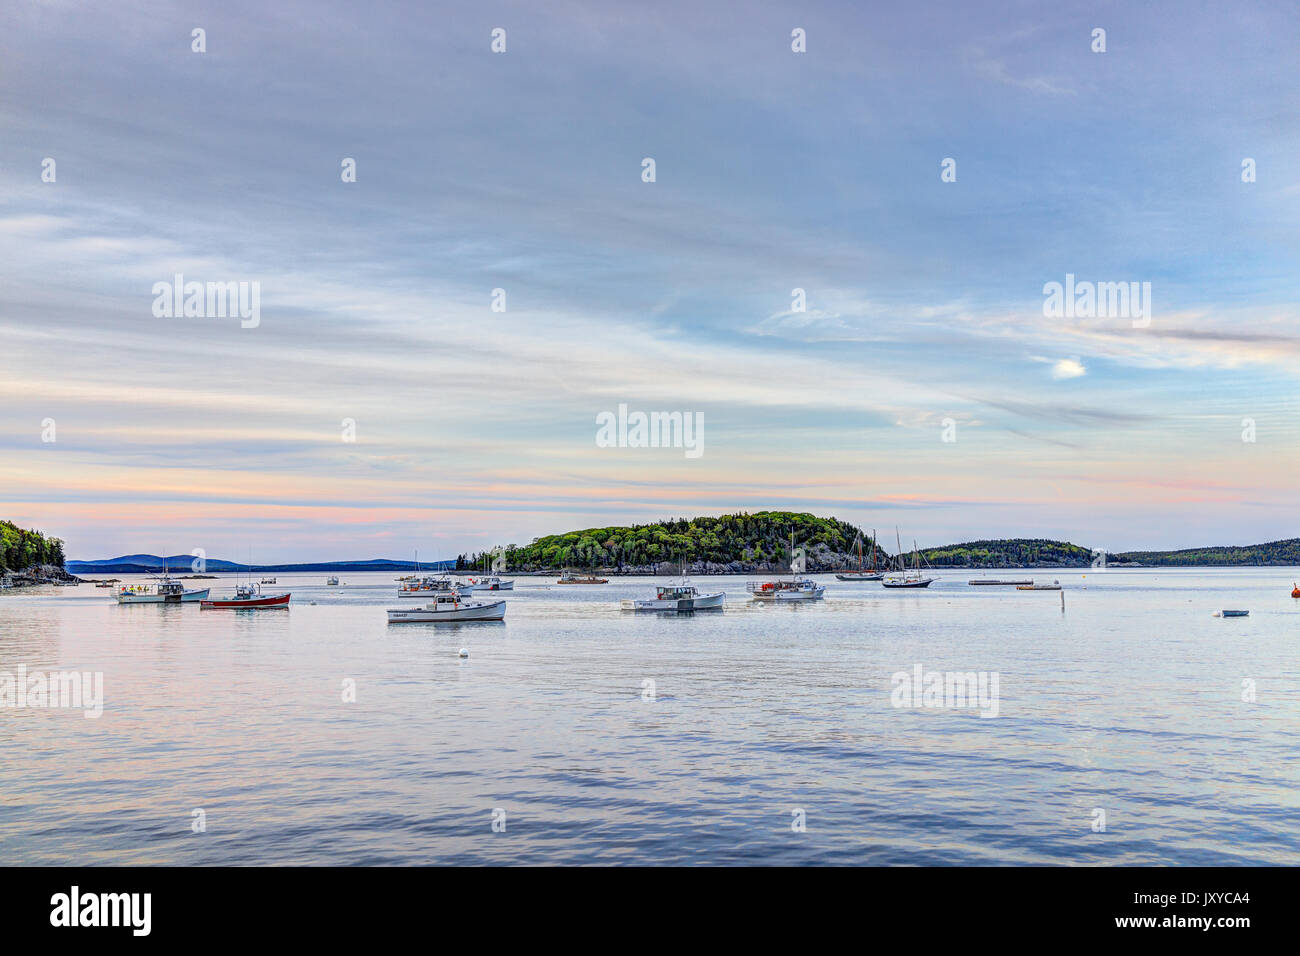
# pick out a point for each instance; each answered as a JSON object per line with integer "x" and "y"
{"x": 923, "y": 384}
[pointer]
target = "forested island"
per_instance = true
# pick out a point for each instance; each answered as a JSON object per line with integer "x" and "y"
{"x": 29, "y": 557}
{"x": 1013, "y": 553}
{"x": 731, "y": 544}
{"x": 1275, "y": 553}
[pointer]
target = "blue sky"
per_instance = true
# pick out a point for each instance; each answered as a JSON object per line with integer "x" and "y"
{"x": 775, "y": 170}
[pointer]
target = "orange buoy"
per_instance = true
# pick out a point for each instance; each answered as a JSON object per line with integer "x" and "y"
{"x": 1295, "y": 591}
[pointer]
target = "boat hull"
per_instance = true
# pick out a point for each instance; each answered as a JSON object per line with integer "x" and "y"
{"x": 813, "y": 594}
{"x": 263, "y": 601}
{"x": 865, "y": 576}
{"x": 702, "y": 602}
{"x": 923, "y": 583}
{"x": 185, "y": 597}
{"x": 436, "y": 614}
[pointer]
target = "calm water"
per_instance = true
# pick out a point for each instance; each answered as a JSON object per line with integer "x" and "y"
{"x": 1130, "y": 701}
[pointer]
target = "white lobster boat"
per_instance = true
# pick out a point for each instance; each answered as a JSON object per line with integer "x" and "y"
{"x": 167, "y": 591}
{"x": 681, "y": 597}
{"x": 493, "y": 583}
{"x": 446, "y": 609}
{"x": 796, "y": 589}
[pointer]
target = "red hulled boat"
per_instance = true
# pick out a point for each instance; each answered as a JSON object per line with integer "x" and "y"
{"x": 248, "y": 596}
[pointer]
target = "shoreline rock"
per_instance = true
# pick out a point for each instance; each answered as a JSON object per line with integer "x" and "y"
{"x": 36, "y": 575}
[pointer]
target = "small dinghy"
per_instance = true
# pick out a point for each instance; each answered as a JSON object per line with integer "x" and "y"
{"x": 446, "y": 609}
{"x": 1054, "y": 586}
{"x": 1234, "y": 614}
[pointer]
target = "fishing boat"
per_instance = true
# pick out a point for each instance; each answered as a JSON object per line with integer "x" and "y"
{"x": 491, "y": 580}
{"x": 681, "y": 597}
{"x": 268, "y": 580}
{"x": 1031, "y": 586}
{"x": 572, "y": 577}
{"x": 911, "y": 577}
{"x": 247, "y": 596}
{"x": 864, "y": 574}
{"x": 331, "y": 580}
{"x": 167, "y": 591}
{"x": 1003, "y": 582}
{"x": 429, "y": 585}
{"x": 797, "y": 588}
{"x": 446, "y": 609}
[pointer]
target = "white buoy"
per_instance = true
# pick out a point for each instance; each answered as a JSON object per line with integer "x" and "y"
{"x": 464, "y": 652}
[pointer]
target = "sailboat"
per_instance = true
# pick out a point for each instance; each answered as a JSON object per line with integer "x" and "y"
{"x": 911, "y": 577}
{"x": 864, "y": 574}
{"x": 796, "y": 589}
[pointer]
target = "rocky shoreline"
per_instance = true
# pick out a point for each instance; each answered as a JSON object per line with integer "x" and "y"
{"x": 37, "y": 574}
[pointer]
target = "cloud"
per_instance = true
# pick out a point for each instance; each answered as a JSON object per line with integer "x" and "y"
{"x": 1068, "y": 368}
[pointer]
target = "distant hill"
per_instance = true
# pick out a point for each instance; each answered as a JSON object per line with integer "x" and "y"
{"x": 183, "y": 564}
{"x": 1277, "y": 553}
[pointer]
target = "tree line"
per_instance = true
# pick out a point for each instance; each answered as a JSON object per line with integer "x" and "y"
{"x": 22, "y": 548}
{"x": 751, "y": 538}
